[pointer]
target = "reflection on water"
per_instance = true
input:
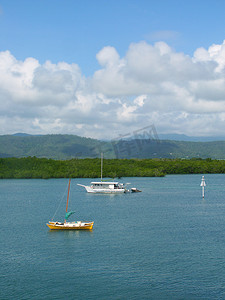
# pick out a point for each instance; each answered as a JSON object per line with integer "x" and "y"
{"x": 69, "y": 233}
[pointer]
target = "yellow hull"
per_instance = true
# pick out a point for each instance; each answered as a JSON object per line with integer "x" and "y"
{"x": 70, "y": 226}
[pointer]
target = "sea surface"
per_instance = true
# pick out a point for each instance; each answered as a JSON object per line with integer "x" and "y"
{"x": 166, "y": 242}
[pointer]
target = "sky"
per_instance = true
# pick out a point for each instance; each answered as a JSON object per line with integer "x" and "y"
{"x": 107, "y": 68}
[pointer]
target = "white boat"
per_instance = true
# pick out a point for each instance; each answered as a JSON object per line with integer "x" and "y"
{"x": 105, "y": 187}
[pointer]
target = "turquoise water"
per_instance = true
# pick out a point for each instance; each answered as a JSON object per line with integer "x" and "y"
{"x": 164, "y": 243}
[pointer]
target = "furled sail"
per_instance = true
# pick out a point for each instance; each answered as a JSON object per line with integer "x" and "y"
{"x": 68, "y": 214}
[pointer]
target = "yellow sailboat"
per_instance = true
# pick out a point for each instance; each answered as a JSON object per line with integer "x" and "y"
{"x": 78, "y": 225}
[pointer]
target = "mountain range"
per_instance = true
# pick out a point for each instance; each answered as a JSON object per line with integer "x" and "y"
{"x": 62, "y": 146}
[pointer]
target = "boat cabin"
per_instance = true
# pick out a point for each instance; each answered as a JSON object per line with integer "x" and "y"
{"x": 106, "y": 185}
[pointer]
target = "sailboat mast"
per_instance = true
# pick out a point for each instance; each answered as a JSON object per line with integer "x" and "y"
{"x": 101, "y": 165}
{"x": 68, "y": 197}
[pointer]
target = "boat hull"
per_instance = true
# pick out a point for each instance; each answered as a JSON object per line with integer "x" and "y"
{"x": 101, "y": 190}
{"x": 104, "y": 191}
{"x": 71, "y": 226}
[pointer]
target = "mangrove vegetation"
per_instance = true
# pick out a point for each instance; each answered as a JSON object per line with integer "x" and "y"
{"x": 33, "y": 167}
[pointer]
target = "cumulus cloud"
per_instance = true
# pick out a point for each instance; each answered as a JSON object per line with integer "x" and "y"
{"x": 215, "y": 53}
{"x": 108, "y": 57}
{"x": 150, "y": 84}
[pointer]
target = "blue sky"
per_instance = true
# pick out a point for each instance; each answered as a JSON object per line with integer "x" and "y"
{"x": 79, "y": 66}
{"x": 74, "y": 31}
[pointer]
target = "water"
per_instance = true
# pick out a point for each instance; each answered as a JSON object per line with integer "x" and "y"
{"x": 164, "y": 243}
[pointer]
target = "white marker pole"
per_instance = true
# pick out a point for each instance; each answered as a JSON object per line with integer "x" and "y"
{"x": 203, "y": 184}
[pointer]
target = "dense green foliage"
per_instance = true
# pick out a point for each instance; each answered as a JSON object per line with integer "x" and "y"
{"x": 50, "y": 146}
{"x": 33, "y": 167}
{"x": 72, "y": 146}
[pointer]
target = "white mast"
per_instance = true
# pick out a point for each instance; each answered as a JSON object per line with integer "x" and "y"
{"x": 203, "y": 184}
{"x": 101, "y": 165}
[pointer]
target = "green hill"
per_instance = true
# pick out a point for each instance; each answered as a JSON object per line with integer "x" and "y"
{"x": 170, "y": 149}
{"x": 72, "y": 146}
{"x": 49, "y": 146}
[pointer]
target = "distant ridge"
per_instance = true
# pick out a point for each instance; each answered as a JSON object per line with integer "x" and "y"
{"x": 21, "y": 134}
{"x": 63, "y": 146}
{"x": 25, "y": 134}
{"x": 186, "y": 138}
{"x": 169, "y": 136}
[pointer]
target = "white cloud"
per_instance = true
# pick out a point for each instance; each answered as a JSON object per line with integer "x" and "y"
{"x": 140, "y": 100}
{"x": 108, "y": 57}
{"x": 215, "y": 53}
{"x": 150, "y": 84}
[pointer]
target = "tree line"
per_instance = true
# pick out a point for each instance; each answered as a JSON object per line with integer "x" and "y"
{"x": 33, "y": 167}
